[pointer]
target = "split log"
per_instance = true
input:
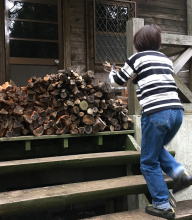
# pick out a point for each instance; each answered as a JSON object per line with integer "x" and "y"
{"x": 38, "y": 131}
{"x": 88, "y": 120}
{"x": 88, "y": 129}
{"x": 83, "y": 105}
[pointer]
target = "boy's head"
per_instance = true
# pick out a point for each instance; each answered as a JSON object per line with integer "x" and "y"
{"x": 148, "y": 38}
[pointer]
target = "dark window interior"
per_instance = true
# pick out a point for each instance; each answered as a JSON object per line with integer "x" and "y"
{"x": 33, "y": 29}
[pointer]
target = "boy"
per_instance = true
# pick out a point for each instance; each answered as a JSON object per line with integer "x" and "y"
{"x": 162, "y": 115}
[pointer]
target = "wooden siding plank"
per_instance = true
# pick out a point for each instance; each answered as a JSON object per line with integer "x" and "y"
{"x": 176, "y": 39}
{"x": 164, "y": 13}
{"x": 169, "y": 26}
{"x": 170, "y": 15}
{"x": 171, "y": 4}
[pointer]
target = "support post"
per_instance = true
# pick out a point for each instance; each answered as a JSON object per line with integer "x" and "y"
{"x": 66, "y": 143}
{"x": 133, "y": 25}
{"x": 2, "y": 44}
{"x": 100, "y": 140}
{"x": 189, "y": 17}
{"x": 27, "y": 145}
{"x": 190, "y": 74}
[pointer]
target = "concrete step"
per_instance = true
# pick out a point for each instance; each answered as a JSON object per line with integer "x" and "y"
{"x": 113, "y": 158}
{"x": 183, "y": 212}
{"x": 61, "y": 195}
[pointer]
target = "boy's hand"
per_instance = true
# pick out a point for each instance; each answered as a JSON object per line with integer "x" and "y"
{"x": 107, "y": 66}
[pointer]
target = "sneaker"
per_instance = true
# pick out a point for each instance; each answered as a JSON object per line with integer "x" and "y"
{"x": 182, "y": 181}
{"x": 167, "y": 214}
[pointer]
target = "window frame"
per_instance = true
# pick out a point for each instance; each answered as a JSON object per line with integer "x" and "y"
{"x": 110, "y": 2}
{"x": 35, "y": 61}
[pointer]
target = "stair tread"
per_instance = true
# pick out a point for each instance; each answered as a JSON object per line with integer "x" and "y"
{"x": 183, "y": 211}
{"x": 78, "y": 191}
{"x": 73, "y": 159}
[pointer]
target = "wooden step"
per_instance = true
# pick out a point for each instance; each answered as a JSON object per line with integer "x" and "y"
{"x": 61, "y": 195}
{"x": 183, "y": 211}
{"x": 84, "y": 160}
{"x": 113, "y": 158}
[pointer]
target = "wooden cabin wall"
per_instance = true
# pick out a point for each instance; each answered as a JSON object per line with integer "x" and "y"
{"x": 171, "y": 15}
{"x": 77, "y": 34}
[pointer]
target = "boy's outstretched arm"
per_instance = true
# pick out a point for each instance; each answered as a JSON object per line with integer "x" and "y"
{"x": 119, "y": 76}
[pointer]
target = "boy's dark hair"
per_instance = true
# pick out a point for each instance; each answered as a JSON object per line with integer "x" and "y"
{"x": 148, "y": 38}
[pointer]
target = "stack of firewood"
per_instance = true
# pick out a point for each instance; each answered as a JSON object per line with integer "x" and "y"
{"x": 61, "y": 103}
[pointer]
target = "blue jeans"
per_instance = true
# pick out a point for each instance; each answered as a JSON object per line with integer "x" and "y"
{"x": 158, "y": 129}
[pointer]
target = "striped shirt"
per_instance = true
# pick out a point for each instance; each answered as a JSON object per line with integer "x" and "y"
{"x": 152, "y": 72}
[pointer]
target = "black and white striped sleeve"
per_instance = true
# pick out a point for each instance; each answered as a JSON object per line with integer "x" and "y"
{"x": 122, "y": 76}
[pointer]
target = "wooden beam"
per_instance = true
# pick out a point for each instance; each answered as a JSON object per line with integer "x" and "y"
{"x": 183, "y": 88}
{"x": 133, "y": 25}
{"x": 131, "y": 144}
{"x": 182, "y": 60}
{"x": 176, "y": 39}
{"x": 178, "y": 64}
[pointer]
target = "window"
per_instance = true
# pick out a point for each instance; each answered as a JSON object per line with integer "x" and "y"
{"x": 110, "y": 29}
{"x": 32, "y": 31}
